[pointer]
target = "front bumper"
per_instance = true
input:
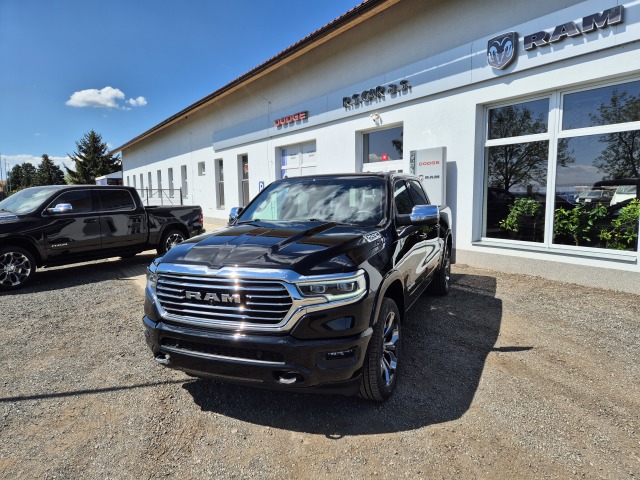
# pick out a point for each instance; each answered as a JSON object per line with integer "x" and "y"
{"x": 280, "y": 362}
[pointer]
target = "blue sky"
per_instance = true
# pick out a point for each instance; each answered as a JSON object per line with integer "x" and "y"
{"x": 120, "y": 67}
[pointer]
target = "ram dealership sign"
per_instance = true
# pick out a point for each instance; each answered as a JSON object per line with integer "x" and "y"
{"x": 590, "y": 23}
{"x": 501, "y": 50}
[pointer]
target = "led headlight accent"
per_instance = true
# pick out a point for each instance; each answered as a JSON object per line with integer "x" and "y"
{"x": 152, "y": 276}
{"x": 336, "y": 288}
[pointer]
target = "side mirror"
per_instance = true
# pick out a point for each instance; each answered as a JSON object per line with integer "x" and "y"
{"x": 234, "y": 214}
{"x": 420, "y": 215}
{"x": 61, "y": 208}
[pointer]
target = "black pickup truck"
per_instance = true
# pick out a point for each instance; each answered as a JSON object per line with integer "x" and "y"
{"x": 306, "y": 290}
{"x": 62, "y": 224}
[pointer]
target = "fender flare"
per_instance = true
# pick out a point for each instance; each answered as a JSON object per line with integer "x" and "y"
{"x": 26, "y": 242}
{"x": 391, "y": 277}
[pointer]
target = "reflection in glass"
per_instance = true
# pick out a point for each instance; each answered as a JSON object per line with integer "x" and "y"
{"x": 592, "y": 208}
{"x": 602, "y": 106}
{"x": 383, "y": 145}
{"x": 515, "y": 197}
{"x": 358, "y": 201}
{"x": 521, "y": 119}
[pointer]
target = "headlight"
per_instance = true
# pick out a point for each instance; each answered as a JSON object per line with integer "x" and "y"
{"x": 152, "y": 276}
{"x": 335, "y": 287}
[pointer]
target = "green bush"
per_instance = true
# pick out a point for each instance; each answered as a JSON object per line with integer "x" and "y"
{"x": 623, "y": 234}
{"x": 518, "y": 211}
{"x": 523, "y": 219}
{"x": 578, "y": 223}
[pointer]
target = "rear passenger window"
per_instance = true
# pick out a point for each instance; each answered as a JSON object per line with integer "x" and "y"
{"x": 111, "y": 200}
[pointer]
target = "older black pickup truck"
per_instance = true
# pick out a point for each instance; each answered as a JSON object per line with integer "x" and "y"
{"x": 306, "y": 290}
{"x": 62, "y": 224}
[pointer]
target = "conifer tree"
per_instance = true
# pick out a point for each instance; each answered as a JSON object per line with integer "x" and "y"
{"x": 92, "y": 159}
{"x": 49, "y": 173}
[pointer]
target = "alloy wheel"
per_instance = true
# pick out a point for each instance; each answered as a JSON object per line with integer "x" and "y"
{"x": 15, "y": 269}
{"x": 173, "y": 240}
{"x": 390, "y": 342}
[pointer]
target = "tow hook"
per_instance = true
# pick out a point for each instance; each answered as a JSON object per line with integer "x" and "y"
{"x": 163, "y": 359}
{"x": 288, "y": 378}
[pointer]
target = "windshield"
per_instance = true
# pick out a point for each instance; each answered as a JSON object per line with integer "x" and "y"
{"x": 626, "y": 189}
{"x": 27, "y": 200}
{"x": 358, "y": 201}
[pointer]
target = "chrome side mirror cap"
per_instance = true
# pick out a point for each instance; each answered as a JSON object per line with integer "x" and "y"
{"x": 420, "y": 215}
{"x": 234, "y": 213}
{"x": 61, "y": 208}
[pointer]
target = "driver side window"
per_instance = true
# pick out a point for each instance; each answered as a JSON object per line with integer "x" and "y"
{"x": 402, "y": 198}
{"x": 80, "y": 200}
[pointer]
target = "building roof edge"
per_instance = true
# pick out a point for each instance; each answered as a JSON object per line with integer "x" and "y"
{"x": 353, "y": 17}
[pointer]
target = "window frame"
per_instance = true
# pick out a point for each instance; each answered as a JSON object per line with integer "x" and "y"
{"x": 554, "y": 134}
{"x": 365, "y": 144}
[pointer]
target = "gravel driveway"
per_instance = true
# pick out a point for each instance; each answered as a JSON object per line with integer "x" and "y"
{"x": 508, "y": 377}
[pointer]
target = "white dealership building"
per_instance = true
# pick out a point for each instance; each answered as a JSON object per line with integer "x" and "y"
{"x": 518, "y": 110}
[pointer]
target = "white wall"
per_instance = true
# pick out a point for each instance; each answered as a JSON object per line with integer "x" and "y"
{"x": 441, "y": 49}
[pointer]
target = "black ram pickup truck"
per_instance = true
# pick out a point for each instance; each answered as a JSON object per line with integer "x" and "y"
{"x": 62, "y": 224}
{"x": 306, "y": 289}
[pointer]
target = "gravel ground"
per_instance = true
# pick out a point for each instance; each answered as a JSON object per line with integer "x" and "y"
{"x": 508, "y": 377}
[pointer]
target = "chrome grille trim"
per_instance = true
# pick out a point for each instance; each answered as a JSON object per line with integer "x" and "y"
{"x": 288, "y": 307}
{"x": 250, "y": 361}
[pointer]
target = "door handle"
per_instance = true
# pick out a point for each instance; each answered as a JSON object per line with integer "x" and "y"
{"x": 90, "y": 220}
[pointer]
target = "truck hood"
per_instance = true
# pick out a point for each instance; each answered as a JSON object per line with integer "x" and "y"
{"x": 6, "y": 217}
{"x": 305, "y": 247}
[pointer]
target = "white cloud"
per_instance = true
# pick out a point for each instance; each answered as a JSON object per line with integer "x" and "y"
{"x": 9, "y": 161}
{"x": 138, "y": 102}
{"x": 108, "y": 97}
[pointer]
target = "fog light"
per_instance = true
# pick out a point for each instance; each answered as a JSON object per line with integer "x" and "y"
{"x": 342, "y": 354}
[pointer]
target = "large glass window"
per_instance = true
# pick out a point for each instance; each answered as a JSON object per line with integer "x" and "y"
{"x": 516, "y": 171}
{"x": 595, "y": 154}
{"x": 602, "y": 106}
{"x": 383, "y": 145}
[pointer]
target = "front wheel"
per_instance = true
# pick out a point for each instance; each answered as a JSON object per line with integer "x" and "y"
{"x": 169, "y": 239}
{"x": 17, "y": 266}
{"x": 380, "y": 374}
{"x": 440, "y": 283}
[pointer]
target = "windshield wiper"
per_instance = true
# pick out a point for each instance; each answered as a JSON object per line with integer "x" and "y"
{"x": 248, "y": 221}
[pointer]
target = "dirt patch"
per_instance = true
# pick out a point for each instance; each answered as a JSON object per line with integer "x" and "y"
{"x": 508, "y": 377}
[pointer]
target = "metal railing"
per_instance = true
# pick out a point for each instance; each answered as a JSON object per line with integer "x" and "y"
{"x": 161, "y": 196}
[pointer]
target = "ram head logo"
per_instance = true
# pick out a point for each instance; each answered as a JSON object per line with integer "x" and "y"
{"x": 501, "y": 50}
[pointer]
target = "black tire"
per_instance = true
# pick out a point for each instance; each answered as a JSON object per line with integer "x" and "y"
{"x": 380, "y": 372}
{"x": 17, "y": 267}
{"x": 440, "y": 283}
{"x": 169, "y": 239}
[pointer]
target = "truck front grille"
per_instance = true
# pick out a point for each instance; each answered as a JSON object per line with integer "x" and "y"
{"x": 258, "y": 302}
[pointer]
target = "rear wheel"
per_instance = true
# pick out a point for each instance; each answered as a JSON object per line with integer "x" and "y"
{"x": 380, "y": 374}
{"x": 17, "y": 266}
{"x": 169, "y": 239}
